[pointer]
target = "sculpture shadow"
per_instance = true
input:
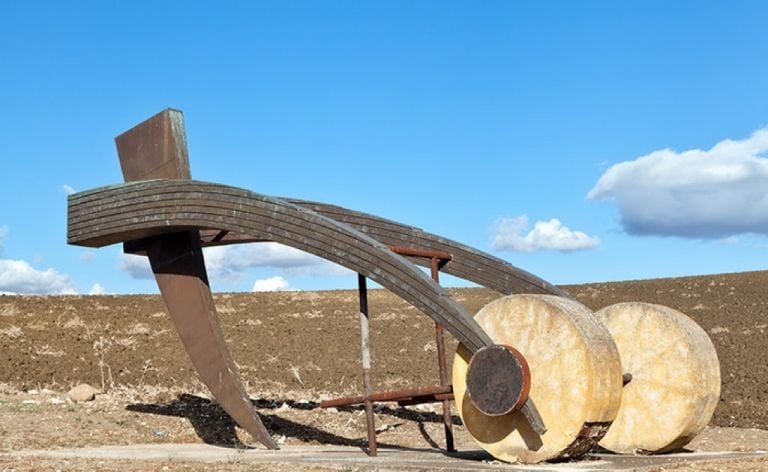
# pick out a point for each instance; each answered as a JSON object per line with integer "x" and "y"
{"x": 214, "y": 426}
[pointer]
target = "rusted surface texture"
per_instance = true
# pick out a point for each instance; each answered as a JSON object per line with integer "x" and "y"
{"x": 155, "y": 149}
{"x": 498, "y": 380}
{"x": 390, "y": 396}
{"x": 143, "y": 209}
{"x": 177, "y": 262}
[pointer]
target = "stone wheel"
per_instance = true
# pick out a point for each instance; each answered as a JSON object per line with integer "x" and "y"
{"x": 576, "y": 378}
{"x": 675, "y": 383}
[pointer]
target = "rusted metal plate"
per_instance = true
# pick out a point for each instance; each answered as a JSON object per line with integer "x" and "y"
{"x": 389, "y": 396}
{"x": 157, "y": 149}
{"x": 177, "y": 262}
{"x": 498, "y": 380}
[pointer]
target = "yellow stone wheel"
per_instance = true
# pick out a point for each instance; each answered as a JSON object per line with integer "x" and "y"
{"x": 576, "y": 378}
{"x": 675, "y": 383}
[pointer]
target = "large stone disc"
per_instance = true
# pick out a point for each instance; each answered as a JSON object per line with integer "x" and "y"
{"x": 675, "y": 382}
{"x": 575, "y": 378}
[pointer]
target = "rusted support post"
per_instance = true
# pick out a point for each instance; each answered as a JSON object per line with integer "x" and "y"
{"x": 392, "y": 396}
{"x": 365, "y": 344}
{"x": 440, "y": 341}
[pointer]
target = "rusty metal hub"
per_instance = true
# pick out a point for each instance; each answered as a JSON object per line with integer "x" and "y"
{"x": 498, "y": 380}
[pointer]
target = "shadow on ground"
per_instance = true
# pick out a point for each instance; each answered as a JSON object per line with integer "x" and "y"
{"x": 214, "y": 426}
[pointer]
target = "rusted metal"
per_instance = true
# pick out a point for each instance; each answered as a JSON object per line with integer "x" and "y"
{"x": 441, "y": 364}
{"x": 157, "y": 149}
{"x": 498, "y": 380}
{"x": 388, "y": 396}
{"x": 418, "y": 252}
{"x": 365, "y": 353}
{"x": 436, "y": 398}
{"x": 437, "y": 259}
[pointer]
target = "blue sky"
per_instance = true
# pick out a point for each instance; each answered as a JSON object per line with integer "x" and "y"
{"x": 637, "y": 126}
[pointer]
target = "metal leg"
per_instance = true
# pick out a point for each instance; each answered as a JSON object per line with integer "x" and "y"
{"x": 177, "y": 262}
{"x": 157, "y": 149}
{"x": 440, "y": 341}
{"x": 365, "y": 341}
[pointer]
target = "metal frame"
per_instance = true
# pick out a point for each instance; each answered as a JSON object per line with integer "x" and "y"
{"x": 162, "y": 213}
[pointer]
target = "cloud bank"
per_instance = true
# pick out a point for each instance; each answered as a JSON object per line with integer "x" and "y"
{"x": 17, "y": 276}
{"x": 272, "y": 284}
{"x": 230, "y": 264}
{"x": 713, "y": 193}
{"x": 97, "y": 289}
{"x": 510, "y": 235}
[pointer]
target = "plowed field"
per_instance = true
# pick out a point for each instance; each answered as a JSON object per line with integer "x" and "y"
{"x": 304, "y": 346}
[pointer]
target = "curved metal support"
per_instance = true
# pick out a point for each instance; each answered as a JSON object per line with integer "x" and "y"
{"x": 177, "y": 262}
{"x": 156, "y": 149}
{"x": 149, "y": 208}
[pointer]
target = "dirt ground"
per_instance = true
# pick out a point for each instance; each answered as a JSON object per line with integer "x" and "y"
{"x": 294, "y": 349}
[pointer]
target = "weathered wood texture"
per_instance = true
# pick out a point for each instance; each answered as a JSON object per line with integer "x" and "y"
{"x": 144, "y": 209}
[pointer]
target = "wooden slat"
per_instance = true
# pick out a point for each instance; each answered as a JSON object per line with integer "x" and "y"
{"x": 467, "y": 263}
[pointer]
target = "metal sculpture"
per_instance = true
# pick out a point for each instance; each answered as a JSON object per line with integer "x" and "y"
{"x": 163, "y": 214}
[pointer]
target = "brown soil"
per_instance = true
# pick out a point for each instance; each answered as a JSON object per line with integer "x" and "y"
{"x": 295, "y": 348}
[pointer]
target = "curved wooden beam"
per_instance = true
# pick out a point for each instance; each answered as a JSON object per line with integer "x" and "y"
{"x": 466, "y": 263}
{"x": 150, "y": 208}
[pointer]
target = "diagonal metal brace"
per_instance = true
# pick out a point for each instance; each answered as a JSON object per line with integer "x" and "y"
{"x": 156, "y": 149}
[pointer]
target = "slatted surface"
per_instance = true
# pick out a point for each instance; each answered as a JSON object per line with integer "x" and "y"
{"x": 144, "y": 209}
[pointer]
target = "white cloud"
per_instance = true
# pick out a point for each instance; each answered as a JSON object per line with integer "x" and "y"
{"x": 68, "y": 189}
{"x": 509, "y": 234}
{"x": 97, "y": 289}
{"x": 697, "y": 193}
{"x": 136, "y": 266}
{"x": 272, "y": 284}
{"x": 231, "y": 263}
{"x": 17, "y": 276}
